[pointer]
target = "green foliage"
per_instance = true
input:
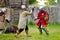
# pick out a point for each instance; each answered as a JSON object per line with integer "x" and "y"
{"x": 32, "y": 1}
{"x": 50, "y": 2}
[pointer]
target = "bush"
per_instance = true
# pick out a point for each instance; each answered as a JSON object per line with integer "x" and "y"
{"x": 50, "y": 2}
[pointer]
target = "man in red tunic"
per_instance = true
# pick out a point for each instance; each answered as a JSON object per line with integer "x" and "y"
{"x": 43, "y": 21}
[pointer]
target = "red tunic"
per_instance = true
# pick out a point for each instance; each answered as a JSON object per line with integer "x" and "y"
{"x": 43, "y": 18}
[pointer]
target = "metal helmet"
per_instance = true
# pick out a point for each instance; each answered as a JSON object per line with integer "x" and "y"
{"x": 23, "y": 7}
{"x": 3, "y": 9}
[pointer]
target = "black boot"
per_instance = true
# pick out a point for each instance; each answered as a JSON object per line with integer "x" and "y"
{"x": 40, "y": 30}
{"x": 46, "y": 31}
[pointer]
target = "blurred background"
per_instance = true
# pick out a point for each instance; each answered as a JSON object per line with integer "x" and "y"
{"x": 52, "y": 6}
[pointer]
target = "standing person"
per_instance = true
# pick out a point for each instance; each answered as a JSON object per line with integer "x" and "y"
{"x": 43, "y": 20}
{"x": 2, "y": 18}
{"x": 23, "y": 15}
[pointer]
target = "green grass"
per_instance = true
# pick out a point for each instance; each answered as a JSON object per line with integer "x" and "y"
{"x": 54, "y": 34}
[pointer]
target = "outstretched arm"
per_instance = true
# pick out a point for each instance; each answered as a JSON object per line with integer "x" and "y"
{"x": 28, "y": 13}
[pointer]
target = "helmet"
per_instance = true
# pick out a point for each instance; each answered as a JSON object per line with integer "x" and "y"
{"x": 23, "y": 7}
{"x": 41, "y": 7}
{"x": 3, "y": 10}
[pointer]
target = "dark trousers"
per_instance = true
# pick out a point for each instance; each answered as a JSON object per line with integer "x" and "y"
{"x": 42, "y": 28}
{"x": 20, "y": 30}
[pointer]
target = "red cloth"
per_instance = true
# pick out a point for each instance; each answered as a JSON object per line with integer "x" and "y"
{"x": 43, "y": 19}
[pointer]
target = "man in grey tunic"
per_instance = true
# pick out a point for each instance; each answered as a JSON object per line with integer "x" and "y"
{"x": 23, "y": 16}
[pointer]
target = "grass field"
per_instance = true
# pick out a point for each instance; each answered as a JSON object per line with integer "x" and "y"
{"x": 54, "y": 34}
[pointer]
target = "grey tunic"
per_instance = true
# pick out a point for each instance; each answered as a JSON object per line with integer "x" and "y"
{"x": 7, "y": 15}
{"x": 22, "y": 19}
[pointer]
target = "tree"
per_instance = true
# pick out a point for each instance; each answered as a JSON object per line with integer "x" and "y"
{"x": 50, "y": 2}
{"x": 32, "y": 1}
